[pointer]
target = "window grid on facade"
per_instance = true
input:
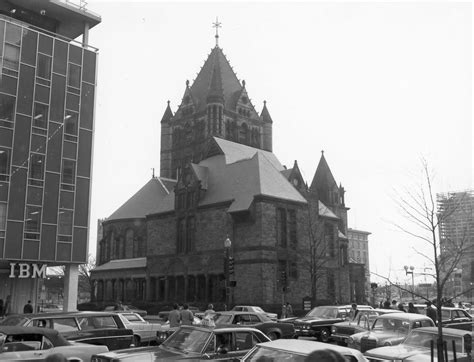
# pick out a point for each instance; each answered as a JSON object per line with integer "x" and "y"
{"x": 68, "y": 174}
{"x": 32, "y": 222}
{"x": 4, "y": 164}
{"x": 40, "y": 118}
{"x": 36, "y": 175}
{"x": 65, "y": 223}
{"x": 3, "y": 218}
{"x": 7, "y": 110}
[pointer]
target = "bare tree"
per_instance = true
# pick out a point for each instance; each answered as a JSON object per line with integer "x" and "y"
{"x": 421, "y": 210}
{"x": 86, "y": 284}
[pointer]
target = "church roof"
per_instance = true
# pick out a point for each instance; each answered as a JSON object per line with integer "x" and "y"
{"x": 237, "y": 174}
{"x": 326, "y": 211}
{"x": 265, "y": 115}
{"x": 145, "y": 200}
{"x": 168, "y": 114}
{"x": 134, "y": 263}
{"x": 323, "y": 178}
{"x": 216, "y": 78}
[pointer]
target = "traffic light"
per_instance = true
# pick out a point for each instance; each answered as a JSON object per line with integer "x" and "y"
{"x": 231, "y": 265}
{"x": 283, "y": 278}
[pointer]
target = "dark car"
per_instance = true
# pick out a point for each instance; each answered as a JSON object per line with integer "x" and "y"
{"x": 100, "y": 328}
{"x": 36, "y": 344}
{"x": 364, "y": 319}
{"x": 274, "y": 330}
{"x": 194, "y": 343}
{"x": 456, "y": 318}
{"x": 319, "y": 320}
{"x": 125, "y": 308}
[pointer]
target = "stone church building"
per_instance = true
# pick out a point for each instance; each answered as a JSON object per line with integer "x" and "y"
{"x": 220, "y": 183}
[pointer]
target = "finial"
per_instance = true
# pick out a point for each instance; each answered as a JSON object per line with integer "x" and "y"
{"x": 243, "y": 83}
{"x": 187, "y": 82}
{"x": 264, "y": 103}
{"x": 168, "y": 103}
{"x": 217, "y": 25}
{"x": 322, "y": 152}
{"x": 153, "y": 171}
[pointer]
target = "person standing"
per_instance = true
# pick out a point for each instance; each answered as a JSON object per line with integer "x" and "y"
{"x": 283, "y": 311}
{"x": 411, "y": 308}
{"x": 289, "y": 310}
{"x": 175, "y": 316}
{"x": 394, "y": 304}
{"x": 401, "y": 308}
{"x": 353, "y": 312}
{"x": 431, "y": 312}
{"x": 28, "y": 308}
{"x": 7, "y": 306}
{"x": 187, "y": 317}
{"x": 210, "y": 310}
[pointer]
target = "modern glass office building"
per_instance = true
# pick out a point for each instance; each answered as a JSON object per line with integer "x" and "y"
{"x": 47, "y": 93}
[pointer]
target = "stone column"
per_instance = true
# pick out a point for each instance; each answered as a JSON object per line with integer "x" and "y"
{"x": 175, "y": 296}
{"x": 157, "y": 289}
{"x": 186, "y": 285}
{"x": 71, "y": 284}
{"x": 206, "y": 288}
{"x": 167, "y": 289}
{"x": 148, "y": 293}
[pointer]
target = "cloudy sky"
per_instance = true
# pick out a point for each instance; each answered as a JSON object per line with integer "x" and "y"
{"x": 377, "y": 86}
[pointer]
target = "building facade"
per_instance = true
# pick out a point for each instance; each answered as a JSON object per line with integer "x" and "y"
{"x": 47, "y": 93}
{"x": 223, "y": 194}
{"x": 359, "y": 253}
{"x": 456, "y": 238}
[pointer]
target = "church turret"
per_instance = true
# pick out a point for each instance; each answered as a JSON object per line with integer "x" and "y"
{"x": 165, "y": 154}
{"x": 215, "y": 102}
{"x": 267, "y": 135}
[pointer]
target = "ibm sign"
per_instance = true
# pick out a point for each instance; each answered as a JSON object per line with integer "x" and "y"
{"x": 25, "y": 270}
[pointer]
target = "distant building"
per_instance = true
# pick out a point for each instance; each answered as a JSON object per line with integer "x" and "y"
{"x": 47, "y": 94}
{"x": 456, "y": 229}
{"x": 359, "y": 253}
{"x": 219, "y": 180}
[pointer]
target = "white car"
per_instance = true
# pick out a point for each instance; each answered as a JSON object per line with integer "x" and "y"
{"x": 297, "y": 350}
{"x": 255, "y": 309}
{"x": 143, "y": 331}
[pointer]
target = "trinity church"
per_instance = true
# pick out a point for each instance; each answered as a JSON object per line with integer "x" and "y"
{"x": 226, "y": 222}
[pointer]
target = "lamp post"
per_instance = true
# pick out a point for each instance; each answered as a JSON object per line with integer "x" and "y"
{"x": 227, "y": 245}
{"x": 412, "y": 268}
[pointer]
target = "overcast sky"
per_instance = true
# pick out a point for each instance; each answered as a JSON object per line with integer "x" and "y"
{"x": 377, "y": 86}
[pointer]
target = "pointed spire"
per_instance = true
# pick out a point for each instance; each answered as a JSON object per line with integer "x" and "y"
{"x": 265, "y": 115}
{"x": 323, "y": 179}
{"x": 216, "y": 93}
{"x": 168, "y": 114}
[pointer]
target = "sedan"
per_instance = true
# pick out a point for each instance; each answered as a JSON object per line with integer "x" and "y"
{"x": 254, "y": 309}
{"x": 193, "y": 343}
{"x": 36, "y": 344}
{"x": 274, "y": 330}
{"x": 456, "y": 318}
{"x": 143, "y": 331}
{"x": 418, "y": 344}
{"x": 388, "y": 330}
{"x": 125, "y": 308}
{"x": 298, "y": 351}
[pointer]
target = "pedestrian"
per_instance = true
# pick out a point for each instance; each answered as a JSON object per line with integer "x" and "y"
{"x": 394, "y": 304}
{"x": 401, "y": 308}
{"x": 187, "y": 317}
{"x": 386, "y": 304}
{"x": 412, "y": 308}
{"x": 210, "y": 310}
{"x": 283, "y": 311}
{"x": 119, "y": 305}
{"x": 431, "y": 312}
{"x": 174, "y": 316}
{"x": 28, "y": 308}
{"x": 289, "y": 310}
{"x": 7, "y": 306}
{"x": 353, "y": 312}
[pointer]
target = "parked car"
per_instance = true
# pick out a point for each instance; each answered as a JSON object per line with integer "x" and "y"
{"x": 296, "y": 351}
{"x": 28, "y": 343}
{"x": 319, "y": 320}
{"x": 164, "y": 330}
{"x": 364, "y": 319}
{"x": 255, "y": 309}
{"x": 274, "y": 330}
{"x": 51, "y": 308}
{"x": 418, "y": 344}
{"x": 143, "y": 331}
{"x": 388, "y": 330}
{"x": 125, "y": 308}
{"x": 456, "y": 318}
{"x": 193, "y": 342}
{"x": 100, "y": 328}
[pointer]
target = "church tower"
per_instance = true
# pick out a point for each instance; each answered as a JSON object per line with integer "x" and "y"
{"x": 216, "y": 104}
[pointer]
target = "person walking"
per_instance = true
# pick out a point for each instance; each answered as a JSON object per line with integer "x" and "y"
{"x": 394, "y": 304}
{"x": 7, "y": 306}
{"x": 175, "y": 316}
{"x": 401, "y": 308}
{"x": 28, "y": 308}
{"x": 283, "y": 311}
{"x": 187, "y": 317}
{"x": 431, "y": 312}
{"x": 386, "y": 304}
{"x": 210, "y": 310}
{"x": 411, "y": 308}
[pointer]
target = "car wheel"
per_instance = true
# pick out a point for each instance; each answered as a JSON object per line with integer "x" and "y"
{"x": 324, "y": 335}
{"x": 273, "y": 335}
{"x": 136, "y": 341}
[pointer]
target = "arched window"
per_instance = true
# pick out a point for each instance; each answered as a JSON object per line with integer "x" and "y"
{"x": 129, "y": 246}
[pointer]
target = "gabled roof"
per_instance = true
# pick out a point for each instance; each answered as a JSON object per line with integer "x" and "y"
{"x": 168, "y": 114}
{"x": 325, "y": 211}
{"x": 144, "y": 201}
{"x": 239, "y": 173}
{"x": 265, "y": 115}
{"x": 323, "y": 178}
{"x": 134, "y": 263}
{"x": 215, "y": 70}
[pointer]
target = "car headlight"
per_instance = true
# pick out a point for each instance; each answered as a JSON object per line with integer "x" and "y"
{"x": 350, "y": 340}
{"x": 333, "y": 329}
{"x": 388, "y": 343}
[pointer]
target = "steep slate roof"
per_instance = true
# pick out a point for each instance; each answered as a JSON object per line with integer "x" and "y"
{"x": 216, "y": 69}
{"x": 325, "y": 211}
{"x": 238, "y": 174}
{"x": 144, "y": 201}
{"x": 168, "y": 114}
{"x": 323, "y": 178}
{"x": 265, "y": 115}
{"x": 134, "y": 263}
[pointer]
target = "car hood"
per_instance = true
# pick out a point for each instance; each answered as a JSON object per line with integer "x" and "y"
{"x": 346, "y": 324}
{"x": 311, "y": 319}
{"x": 149, "y": 354}
{"x": 379, "y": 335}
{"x": 395, "y": 352}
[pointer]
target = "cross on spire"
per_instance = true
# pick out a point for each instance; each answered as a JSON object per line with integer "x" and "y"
{"x": 217, "y": 25}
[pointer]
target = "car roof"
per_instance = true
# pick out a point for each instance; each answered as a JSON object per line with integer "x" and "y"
{"x": 63, "y": 314}
{"x": 301, "y": 346}
{"x": 404, "y": 316}
{"x": 28, "y": 330}
{"x": 222, "y": 328}
{"x": 446, "y": 331}
{"x": 238, "y": 312}
{"x": 386, "y": 311}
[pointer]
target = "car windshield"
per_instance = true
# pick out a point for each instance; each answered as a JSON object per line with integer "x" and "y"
{"x": 14, "y": 321}
{"x": 391, "y": 324}
{"x": 323, "y": 312}
{"x": 187, "y": 340}
{"x": 266, "y": 354}
{"x": 423, "y": 339}
{"x": 258, "y": 310}
{"x": 224, "y": 319}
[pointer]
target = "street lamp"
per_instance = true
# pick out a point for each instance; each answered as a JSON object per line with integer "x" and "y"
{"x": 412, "y": 268}
{"x": 227, "y": 245}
